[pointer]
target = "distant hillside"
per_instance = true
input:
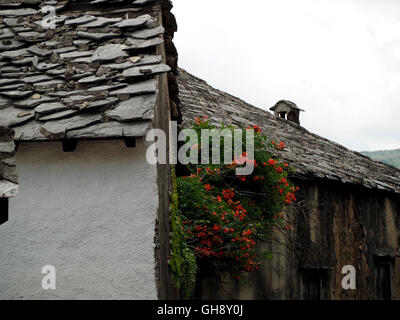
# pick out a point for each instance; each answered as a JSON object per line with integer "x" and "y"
{"x": 388, "y": 156}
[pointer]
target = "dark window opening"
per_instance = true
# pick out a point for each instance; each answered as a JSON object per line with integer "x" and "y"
{"x": 383, "y": 279}
{"x": 69, "y": 145}
{"x": 3, "y": 210}
{"x": 313, "y": 283}
{"x": 130, "y": 142}
{"x": 282, "y": 114}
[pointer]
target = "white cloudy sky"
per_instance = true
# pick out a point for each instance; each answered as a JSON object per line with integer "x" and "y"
{"x": 339, "y": 60}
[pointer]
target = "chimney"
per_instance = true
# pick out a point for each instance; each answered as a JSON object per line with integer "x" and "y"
{"x": 287, "y": 110}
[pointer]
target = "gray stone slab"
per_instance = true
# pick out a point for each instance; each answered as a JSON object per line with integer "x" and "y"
{"x": 98, "y": 36}
{"x": 139, "y": 3}
{"x": 108, "y": 52}
{"x": 112, "y": 129}
{"x": 93, "y": 79}
{"x": 8, "y": 189}
{"x": 146, "y": 33}
{"x": 29, "y": 131}
{"x": 149, "y": 86}
{"x": 58, "y": 128}
{"x": 78, "y": 100}
{"x": 33, "y": 101}
{"x": 20, "y": 12}
{"x": 11, "y": 44}
{"x": 13, "y": 53}
{"x": 101, "y": 103}
{"x": 13, "y": 22}
{"x": 16, "y": 94}
{"x": 26, "y": 61}
{"x": 119, "y": 66}
{"x": 143, "y": 44}
{"x": 9, "y": 161}
{"x": 133, "y": 23}
{"x": 48, "y": 84}
{"x": 39, "y": 51}
{"x": 139, "y": 107}
{"x": 4, "y": 103}
{"x": 78, "y": 76}
{"x": 43, "y": 66}
{"x": 5, "y": 81}
{"x": 146, "y": 60}
{"x": 9, "y": 69}
{"x": 7, "y": 147}
{"x": 12, "y": 116}
{"x": 31, "y": 36}
{"x": 152, "y": 23}
{"x": 59, "y": 115}
{"x": 22, "y": 29}
{"x": 79, "y": 20}
{"x": 56, "y": 72}
{"x": 75, "y": 54}
{"x": 80, "y": 42}
{"x": 101, "y": 22}
{"x": 38, "y": 78}
{"x": 6, "y": 33}
{"x": 63, "y": 94}
{"x": 113, "y": 86}
{"x": 51, "y": 43}
{"x": 9, "y": 87}
{"x": 65, "y": 49}
{"x": 145, "y": 70}
{"x": 46, "y": 108}
{"x": 14, "y": 75}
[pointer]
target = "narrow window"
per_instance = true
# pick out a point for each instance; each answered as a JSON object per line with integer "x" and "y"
{"x": 383, "y": 279}
{"x": 3, "y": 210}
{"x": 313, "y": 283}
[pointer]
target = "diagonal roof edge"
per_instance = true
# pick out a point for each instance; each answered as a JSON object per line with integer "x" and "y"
{"x": 312, "y": 155}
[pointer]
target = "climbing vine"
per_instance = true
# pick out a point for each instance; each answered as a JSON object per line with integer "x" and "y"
{"x": 218, "y": 216}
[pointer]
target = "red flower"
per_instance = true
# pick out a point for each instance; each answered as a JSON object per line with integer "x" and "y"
{"x": 228, "y": 194}
{"x": 208, "y": 187}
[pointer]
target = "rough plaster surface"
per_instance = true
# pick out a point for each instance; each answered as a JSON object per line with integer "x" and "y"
{"x": 90, "y": 213}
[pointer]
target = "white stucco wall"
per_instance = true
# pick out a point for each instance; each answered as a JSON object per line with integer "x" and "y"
{"x": 90, "y": 213}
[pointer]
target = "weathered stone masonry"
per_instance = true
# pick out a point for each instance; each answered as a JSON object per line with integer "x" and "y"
{"x": 347, "y": 213}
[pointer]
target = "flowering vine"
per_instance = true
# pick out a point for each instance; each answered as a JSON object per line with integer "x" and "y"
{"x": 223, "y": 214}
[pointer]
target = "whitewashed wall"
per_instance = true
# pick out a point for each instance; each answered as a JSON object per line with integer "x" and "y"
{"x": 91, "y": 214}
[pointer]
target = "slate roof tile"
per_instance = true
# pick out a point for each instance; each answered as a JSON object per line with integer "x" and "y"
{"x": 311, "y": 155}
{"x": 69, "y": 81}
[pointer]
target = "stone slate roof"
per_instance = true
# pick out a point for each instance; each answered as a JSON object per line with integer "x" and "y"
{"x": 8, "y": 174}
{"x": 93, "y": 76}
{"x": 311, "y": 155}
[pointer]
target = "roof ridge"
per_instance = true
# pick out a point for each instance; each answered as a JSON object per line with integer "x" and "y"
{"x": 356, "y": 174}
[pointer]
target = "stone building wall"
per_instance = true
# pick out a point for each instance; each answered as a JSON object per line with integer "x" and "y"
{"x": 334, "y": 225}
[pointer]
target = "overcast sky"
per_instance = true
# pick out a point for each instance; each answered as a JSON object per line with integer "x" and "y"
{"x": 339, "y": 60}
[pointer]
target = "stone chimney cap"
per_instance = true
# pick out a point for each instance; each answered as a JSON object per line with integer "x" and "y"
{"x": 287, "y": 110}
{"x": 288, "y": 103}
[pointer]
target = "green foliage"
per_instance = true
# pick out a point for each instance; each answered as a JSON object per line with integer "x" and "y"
{"x": 182, "y": 260}
{"x": 219, "y": 216}
{"x": 391, "y": 157}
